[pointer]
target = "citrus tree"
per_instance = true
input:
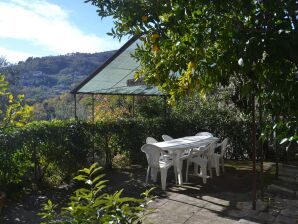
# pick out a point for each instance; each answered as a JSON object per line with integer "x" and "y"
{"x": 193, "y": 46}
{"x": 13, "y": 112}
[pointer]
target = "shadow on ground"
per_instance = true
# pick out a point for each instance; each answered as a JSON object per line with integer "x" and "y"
{"x": 224, "y": 199}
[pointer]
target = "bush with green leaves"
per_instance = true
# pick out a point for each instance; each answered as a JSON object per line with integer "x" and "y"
{"x": 14, "y": 114}
{"x": 90, "y": 205}
{"x": 52, "y": 151}
{"x": 39, "y": 150}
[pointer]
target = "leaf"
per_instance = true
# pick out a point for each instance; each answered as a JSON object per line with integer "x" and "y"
{"x": 81, "y": 177}
{"x": 101, "y": 183}
{"x": 96, "y": 170}
{"x": 93, "y": 166}
{"x": 85, "y": 170}
{"x": 98, "y": 178}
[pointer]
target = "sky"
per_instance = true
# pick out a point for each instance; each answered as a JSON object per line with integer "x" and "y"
{"x": 36, "y": 28}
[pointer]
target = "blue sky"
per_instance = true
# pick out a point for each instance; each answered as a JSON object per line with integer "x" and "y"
{"x": 52, "y": 27}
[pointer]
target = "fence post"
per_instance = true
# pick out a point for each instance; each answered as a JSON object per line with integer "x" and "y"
{"x": 93, "y": 129}
{"x": 75, "y": 104}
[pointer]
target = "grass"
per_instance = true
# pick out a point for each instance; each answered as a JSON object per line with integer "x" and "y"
{"x": 246, "y": 165}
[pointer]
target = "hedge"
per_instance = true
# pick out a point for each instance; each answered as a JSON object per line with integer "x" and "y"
{"x": 28, "y": 154}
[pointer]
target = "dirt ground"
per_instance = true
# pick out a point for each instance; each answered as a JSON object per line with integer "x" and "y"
{"x": 236, "y": 179}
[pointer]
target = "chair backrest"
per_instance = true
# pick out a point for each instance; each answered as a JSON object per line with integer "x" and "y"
{"x": 224, "y": 146}
{"x": 153, "y": 154}
{"x": 210, "y": 148}
{"x": 151, "y": 140}
{"x": 167, "y": 137}
{"x": 204, "y": 134}
{"x": 202, "y": 153}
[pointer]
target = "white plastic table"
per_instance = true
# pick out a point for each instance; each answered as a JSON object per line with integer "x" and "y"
{"x": 178, "y": 146}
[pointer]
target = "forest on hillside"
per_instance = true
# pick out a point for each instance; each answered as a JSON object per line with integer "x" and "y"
{"x": 46, "y": 82}
{"x": 49, "y": 77}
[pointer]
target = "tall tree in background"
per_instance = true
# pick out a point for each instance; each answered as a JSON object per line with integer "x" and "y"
{"x": 3, "y": 61}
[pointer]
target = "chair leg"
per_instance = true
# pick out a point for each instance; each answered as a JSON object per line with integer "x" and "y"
{"x": 217, "y": 169}
{"x": 154, "y": 174}
{"x": 187, "y": 167}
{"x": 176, "y": 175}
{"x": 209, "y": 165}
{"x": 222, "y": 165}
{"x": 204, "y": 173}
{"x": 147, "y": 176}
{"x": 163, "y": 174}
{"x": 216, "y": 164}
{"x": 179, "y": 172}
{"x": 195, "y": 168}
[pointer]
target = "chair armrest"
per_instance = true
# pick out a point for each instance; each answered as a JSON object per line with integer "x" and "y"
{"x": 165, "y": 156}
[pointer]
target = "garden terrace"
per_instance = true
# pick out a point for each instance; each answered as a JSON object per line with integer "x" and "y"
{"x": 225, "y": 199}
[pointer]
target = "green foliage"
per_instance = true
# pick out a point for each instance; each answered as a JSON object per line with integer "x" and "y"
{"x": 61, "y": 107}
{"x": 191, "y": 47}
{"x": 150, "y": 107}
{"x": 120, "y": 161}
{"x": 13, "y": 112}
{"x": 90, "y": 205}
{"x": 192, "y": 116}
{"x": 40, "y": 149}
{"x": 51, "y": 151}
{"x": 49, "y": 77}
{"x": 15, "y": 161}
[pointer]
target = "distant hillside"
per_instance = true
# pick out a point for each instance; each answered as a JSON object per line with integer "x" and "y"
{"x": 47, "y": 77}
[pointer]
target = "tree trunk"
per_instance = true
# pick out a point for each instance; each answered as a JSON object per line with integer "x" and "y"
{"x": 261, "y": 149}
{"x": 254, "y": 140}
{"x": 276, "y": 151}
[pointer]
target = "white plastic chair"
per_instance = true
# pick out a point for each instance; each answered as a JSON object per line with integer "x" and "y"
{"x": 208, "y": 134}
{"x": 157, "y": 161}
{"x": 220, "y": 156}
{"x": 199, "y": 158}
{"x": 212, "y": 159}
{"x": 151, "y": 140}
{"x": 204, "y": 134}
{"x": 167, "y": 137}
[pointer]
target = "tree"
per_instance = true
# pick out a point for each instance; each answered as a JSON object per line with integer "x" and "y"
{"x": 13, "y": 112}
{"x": 251, "y": 44}
{"x": 192, "y": 46}
{"x": 3, "y": 62}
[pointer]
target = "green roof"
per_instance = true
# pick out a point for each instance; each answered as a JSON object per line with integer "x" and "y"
{"x": 116, "y": 75}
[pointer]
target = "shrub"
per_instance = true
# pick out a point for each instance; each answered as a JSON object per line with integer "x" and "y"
{"x": 89, "y": 205}
{"x": 15, "y": 161}
{"x": 121, "y": 161}
{"x": 41, "y": 149}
